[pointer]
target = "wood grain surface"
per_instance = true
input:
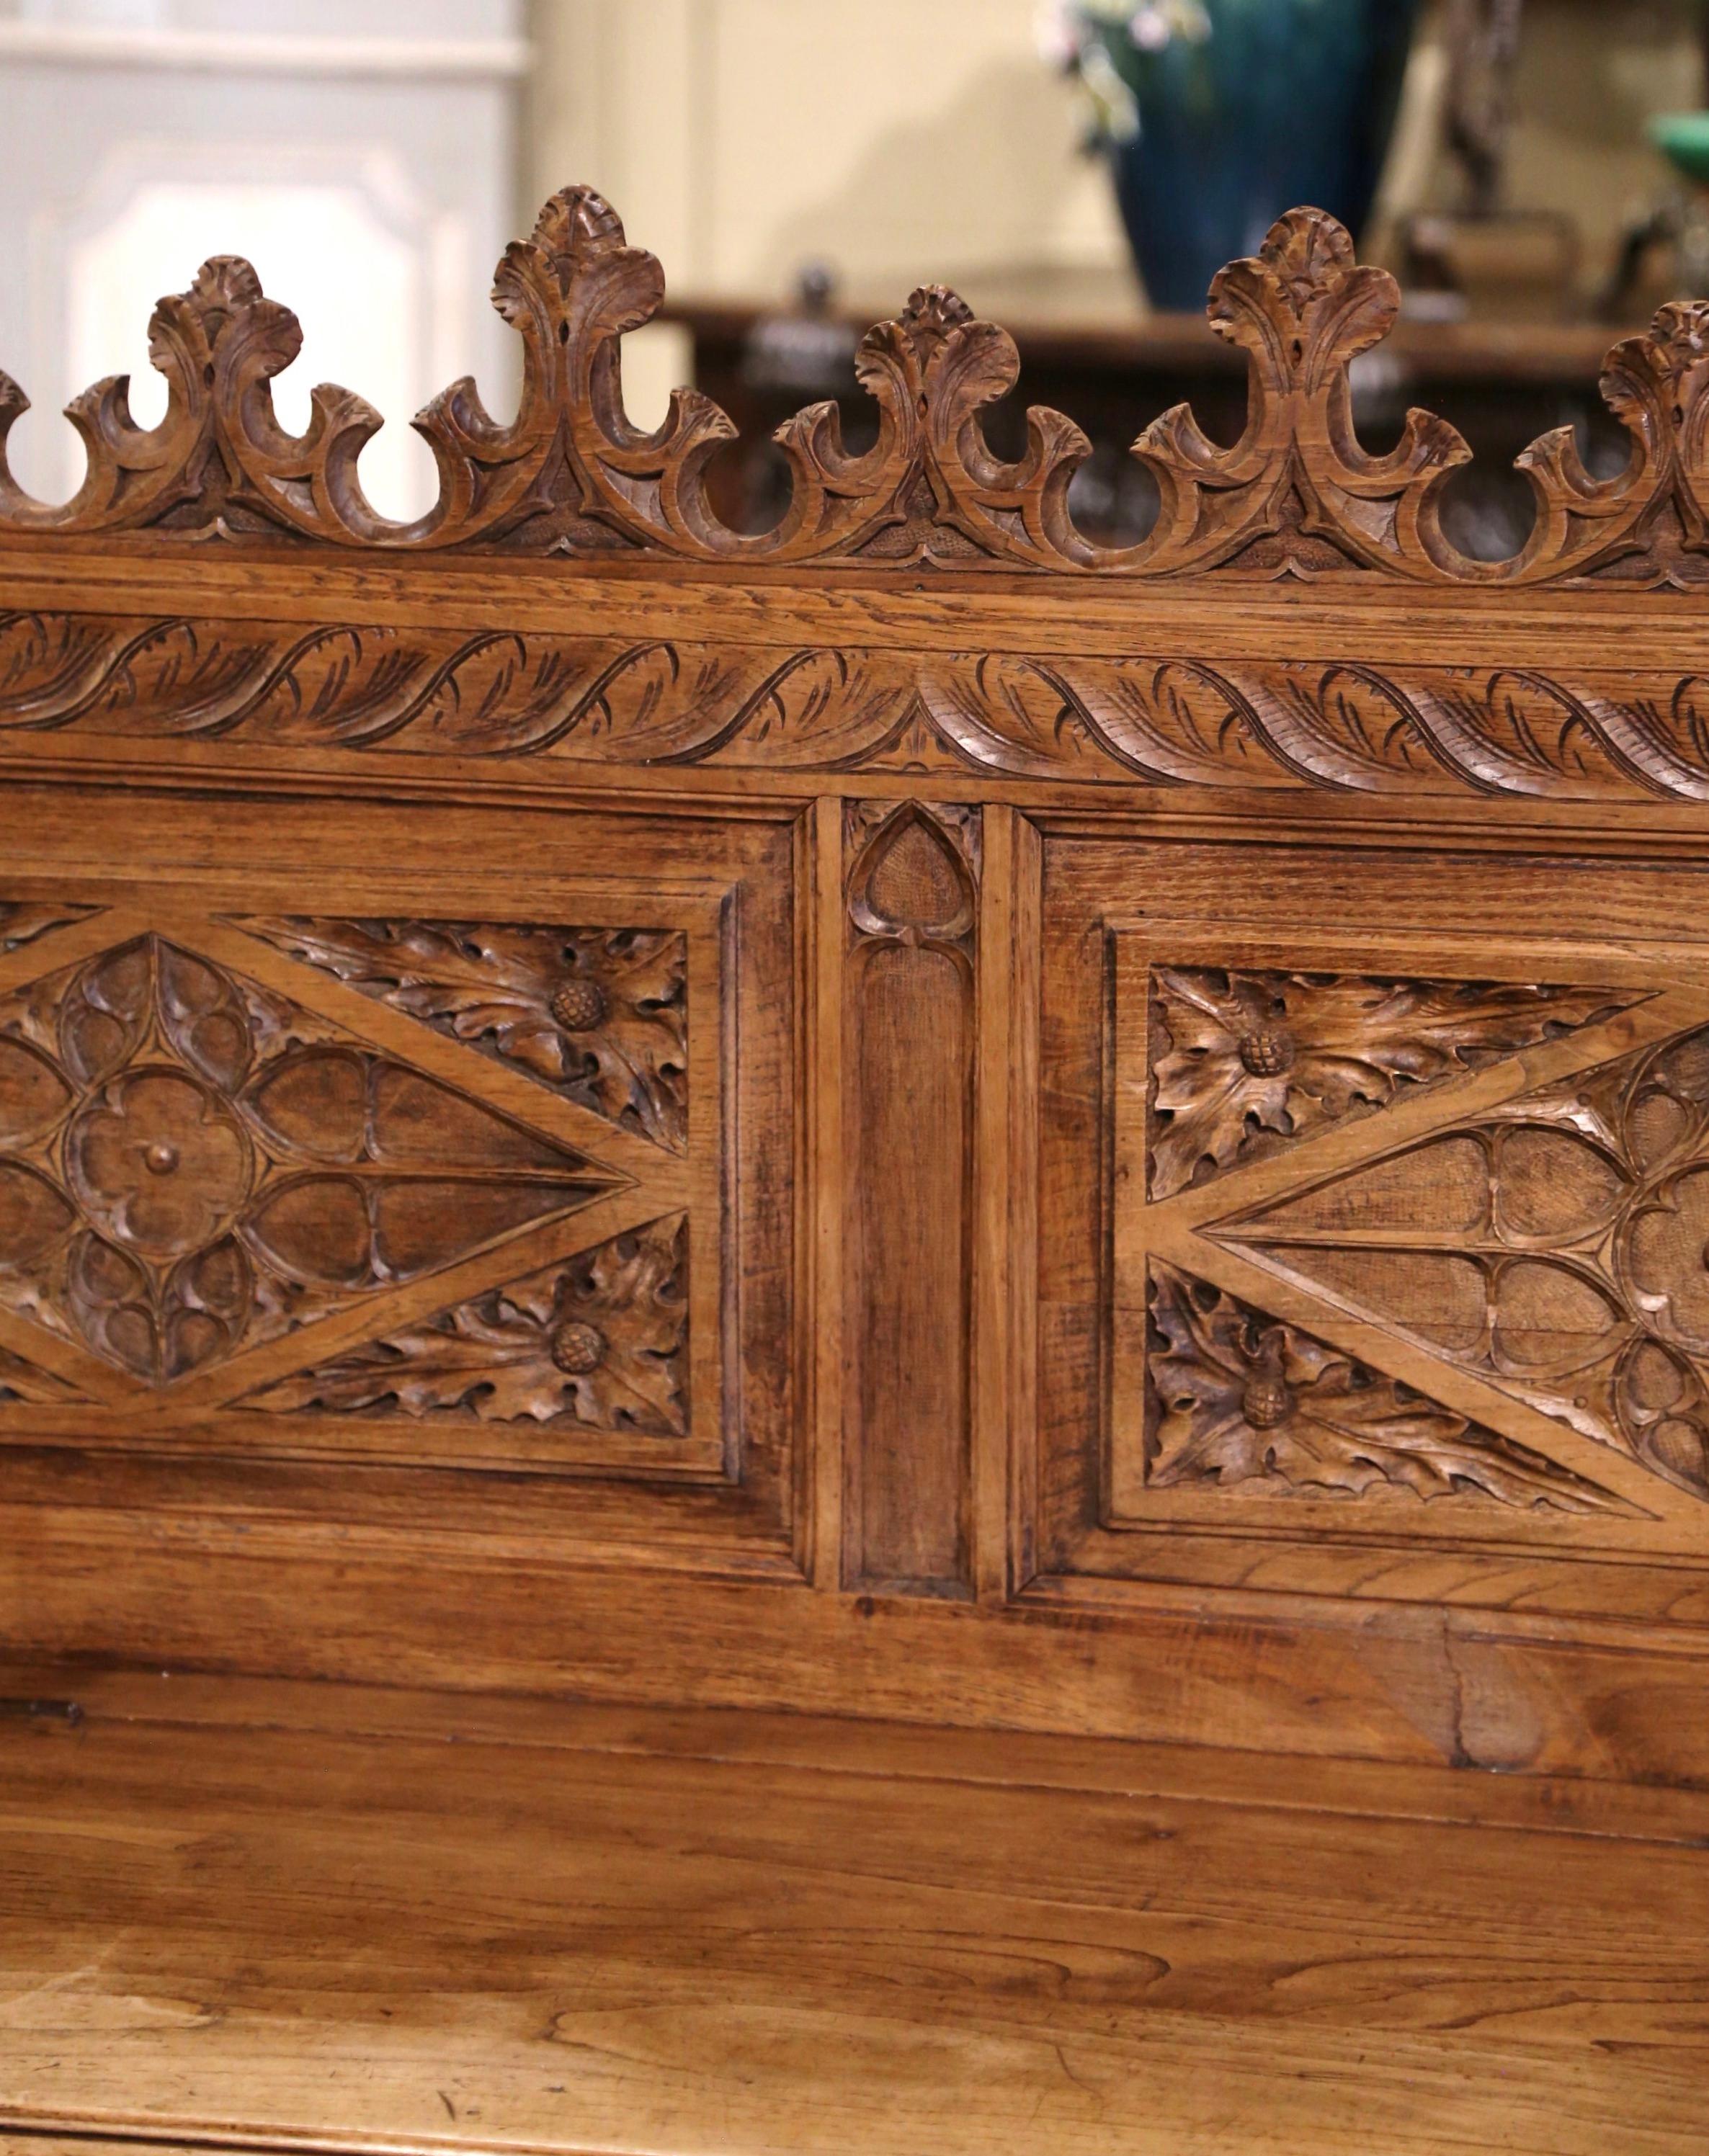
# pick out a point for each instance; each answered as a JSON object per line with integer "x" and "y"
{"x": 266, "y": 1916}
{"x": 900, "y": 1117}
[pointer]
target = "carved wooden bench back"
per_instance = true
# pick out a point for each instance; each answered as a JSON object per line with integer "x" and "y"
{"x": 901, "y": 1117}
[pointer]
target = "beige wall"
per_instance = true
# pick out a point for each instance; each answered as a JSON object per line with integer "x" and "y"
{"x": 903, "y": 139}
{"x": 896, "y": 139}
{"x": 744, "y": 137}
{"x": 1591, "y": 72}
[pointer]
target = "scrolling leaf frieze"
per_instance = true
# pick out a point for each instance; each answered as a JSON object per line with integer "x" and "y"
{"x": 571, "y": 473}
{"x": 1155, "y": 720}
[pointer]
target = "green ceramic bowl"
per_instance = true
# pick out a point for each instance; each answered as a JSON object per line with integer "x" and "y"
{"x": 1683, "y": 137}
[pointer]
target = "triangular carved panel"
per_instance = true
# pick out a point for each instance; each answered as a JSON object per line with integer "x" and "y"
{"x": 598, "y": 1014}
{"x": 1245, "y": 1062}
{"x": 1557, "y": 1245}
{"x": 1243, "y": 1403}
{"x": 191, "y": 1163}
{"x": 599, "y": 1337}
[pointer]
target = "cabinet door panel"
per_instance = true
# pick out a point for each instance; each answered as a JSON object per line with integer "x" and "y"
{"x": 1378, "y": 1261}
{"x": 400, "y": 1138}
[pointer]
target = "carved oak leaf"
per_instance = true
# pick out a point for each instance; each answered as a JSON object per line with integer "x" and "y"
{"x": 1287, "y": 1053}
{"x": 598, "y": 1014}
{"x": 599, "y": 1338}
{"x": 23, "y": 1384}
{"x": 22, "y": 920}
{"x": 1245, "y": 1403}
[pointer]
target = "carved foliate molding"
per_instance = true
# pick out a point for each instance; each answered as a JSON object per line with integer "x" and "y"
{"x": 599, "y": 1338}
{"x": 1151, "y": 718}
{"x": 1244, "y": 1061}
{"x": 570, "y": 474}
{"x": 1244, "y": 1403}
{"x": 597, "y": 1014}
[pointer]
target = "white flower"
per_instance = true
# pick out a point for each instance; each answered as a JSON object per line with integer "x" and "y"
{"x": 1056, "y": 29}
{"x": 1154, "y": 22}
{"x": 1112, "y": 100}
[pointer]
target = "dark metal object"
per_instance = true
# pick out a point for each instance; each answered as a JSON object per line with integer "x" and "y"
{"x": 1483, "y": 54}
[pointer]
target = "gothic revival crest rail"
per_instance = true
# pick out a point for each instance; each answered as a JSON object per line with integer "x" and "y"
{"x": 572, "y": 475}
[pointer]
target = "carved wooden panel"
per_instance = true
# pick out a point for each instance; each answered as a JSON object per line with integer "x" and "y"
{"x": 1245, "y": 1062}
{"x": 600, "y": 1337}
{"x": 1241, "y": 1402}
{"x": 1298, "y": 495}
{"x": 909, "y": 1029}
{"x": 598, "y": 1014}
{"x": 1343, "y": 1189}
{"x": 365, "y": 1175}
{"x": 190, "y": 1165}
{"x": 1558, "y": 1244}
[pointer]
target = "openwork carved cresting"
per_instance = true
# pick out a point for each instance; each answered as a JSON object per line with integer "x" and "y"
{"x": 570, "y": 474}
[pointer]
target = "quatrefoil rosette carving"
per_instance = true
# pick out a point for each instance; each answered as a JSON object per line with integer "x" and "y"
{"x": 1361, "y": 1188}
{"x": 193, "y": 1165}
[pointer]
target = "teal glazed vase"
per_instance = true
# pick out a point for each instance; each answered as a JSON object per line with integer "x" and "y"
{"x": 1273, "y": 104}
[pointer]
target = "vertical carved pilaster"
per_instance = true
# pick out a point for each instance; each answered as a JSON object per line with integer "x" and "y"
{"x": 908, "y": 1076}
